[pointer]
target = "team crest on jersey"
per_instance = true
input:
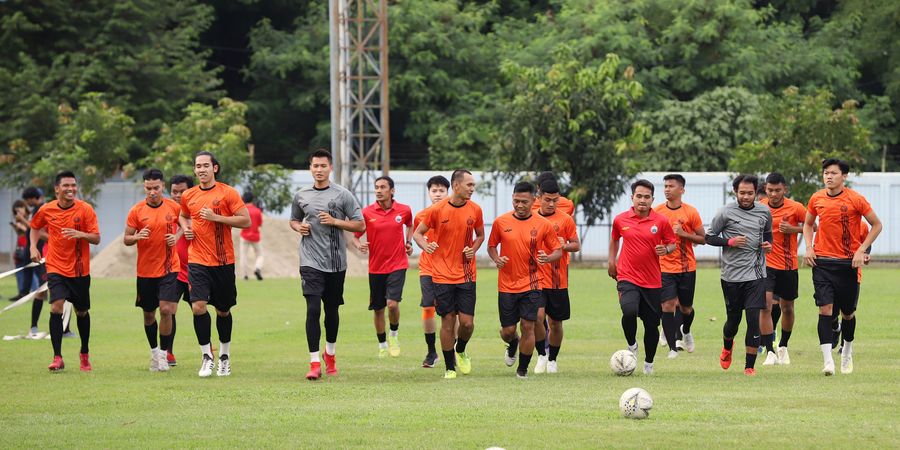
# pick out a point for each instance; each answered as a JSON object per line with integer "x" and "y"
{"x": 398, "y": 219}
{"x": 470, "y": 222}
{"x": 843, "y": 208}
{"x": 76, "y": 220}
{"x": 169, "y": 218}
{"x": 556, "y": 228}
{"x": 534, "y": 232}
{"x": 654, "y": 229}
{"x": 216, "y": 202}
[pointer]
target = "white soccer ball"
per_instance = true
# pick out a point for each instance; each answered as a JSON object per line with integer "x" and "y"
{"x": 635, "y": 403}
{"x": 623, "y": 363}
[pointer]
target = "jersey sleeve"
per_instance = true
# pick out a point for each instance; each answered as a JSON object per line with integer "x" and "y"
{"x": 494, "y": 238}
{"x": 717, "y": 224}
{"x": 862, "y": 205}
{"x": 90, "y": 220}
{"x": 616, "y": 232}
{"x": 38, "y": 221}
{"x": 551, "y": 242}
{"x": 359, "y": 234}
{"x": 569, "y": 231}
{"x": 811, "y": 207}
{"x": 185, "y": 211}
{"x": 696, "y": 221}
{"x": 297, "y": 213}
{"x": 235, "y": 202}
{"x": 351, "y": 207}
{"x": 132, "y": 220}
{"x": 479, "y": 218}
{"x": 800, "y": 214}
{"x": 409, "y": 218}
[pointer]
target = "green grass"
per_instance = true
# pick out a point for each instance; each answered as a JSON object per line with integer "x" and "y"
{"x": 395, "y": 403}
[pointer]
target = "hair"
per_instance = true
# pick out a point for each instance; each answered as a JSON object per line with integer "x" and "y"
{"x": 438, "y": 180}
{"x": 761, "y": 189}
{"x": 549, "y": 187}
{"x": 212, "y": 158}
{"x": 644, "y": 183}
{"x": 845, "y": 168}
{"x": 178, "y": 179}
{"x": 64, "y": 174}
{"x": 320, "y": 153}
{"x": 247, "y": 197}
{"x": 458, "y": 175}
{"x": 544, "y": 176}
{"x": 389, "y": 180}
{"x": 522, "y": 187}
{"x": 19, "y": 204}
{"x": 154, "y": 174}
{"x": 776, "y": 178}
{"x": 676, "y": 177}
{"x": 743, "y": 178}
{"x": 32, "y": 192}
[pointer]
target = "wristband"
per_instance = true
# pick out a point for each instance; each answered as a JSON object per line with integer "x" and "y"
{"x": 731, "y": 242}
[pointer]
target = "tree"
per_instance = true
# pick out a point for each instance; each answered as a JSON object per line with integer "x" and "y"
{"x": 270, "y": 184}
{"x": 801, "y": 131}
{"x": 572, "y": 119}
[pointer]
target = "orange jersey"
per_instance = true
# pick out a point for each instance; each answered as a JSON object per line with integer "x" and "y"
{"x": 682, "y": 259}
{"x": 154, "y": 257}
{"x": 556, "y": 274}
{"x": 784, "y": 246}
{"x": 839, "y": 219}
{"x": 67, "y": 257}
{"x": 563, "y": 205}
{"x": 425, "y": 268}
{"x": 212, "y": 244}
{"x": 454, "y": 228}
{"x": 520, "y": 240}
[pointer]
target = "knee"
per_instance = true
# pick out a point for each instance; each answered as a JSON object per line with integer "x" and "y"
{"x": 687, "y": 310}
{"x": 508, "y": 333}
{"x": 669, "y": 306}
{"x": 848, "y": 315}
{"x": 826, "y": 310}
{"x": 787, "y": 308}
{"x": 223, "y": 313}
{"x": 168, "y": 308}
{"x": 198, "y": 308}
{"x": 81, "y": 313}
{"x": 149, "y": 317}
{"x": 555, "y": 325}
{"x": 630, "y": 311}
{"x": 393, "y": 306}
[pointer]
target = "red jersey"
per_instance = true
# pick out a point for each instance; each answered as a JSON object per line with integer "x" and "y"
{"x": 784, "y": 246}
{"x": 454, "y": 229}
{"x": 520, "y": 240}
{"x": 154, "y": 257}
{"x": 839, "y": 219}
{"x": 425, "y": 268}
{"x": 67, "y": 257}
{"x": 555, "y": 275}
{"x": 638, "y": 262}
{"x": 682, "y": 259}
{"x": 212, "y": 244}
{"x": 251, "y": 233}
{"x": 384, "y": 232}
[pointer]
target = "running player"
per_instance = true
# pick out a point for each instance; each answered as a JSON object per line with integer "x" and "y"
{"x": 208, "y": 213}
{"x": 437, "y": 191}
{"x": 250, "y": 237}
{"x": 458, "y": 226}
{"x": 178, "y": 185}
{"x": 646, "y": 235}
{"x": 522, "y": 237}
{"x": 781, "y": 268}
{"x": 836, "y": 256}
{"x": 744, "y": 229}
{"x": 152, "y": 224}
{"x": 388, "y": 247}
{"x": 71, "y": 225}
{"x": 321, "y": 213}
{"x": 679, "y": 268}
{"x": 563, "y": 205}
{"x": 554, "y": 303}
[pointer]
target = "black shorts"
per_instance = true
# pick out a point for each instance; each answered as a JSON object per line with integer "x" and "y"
{"x": 77, "y": 290}
{"x": 680, "y": 286}
{"x": 384, "y": 287}
{"x": 454, "y": 298}
{"x": 41, "y": 272}
{"x": 214, "y": 285}
{"x": 150, "y": 291}
{"x": 782, "y": 284}
{"x": 184, "y": 290}
{"x": 327, "y": 286}
{"x": 645, "y": 301}
{"x": 427, "y": 291}
{"x": 835, "y": 284}
{"x": 744, "y": 295}
{"x": 513, "y": 307}
{"x": 556, "y": 304}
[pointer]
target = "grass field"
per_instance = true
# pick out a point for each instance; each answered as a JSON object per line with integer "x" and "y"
{"x": 394, "y": 403}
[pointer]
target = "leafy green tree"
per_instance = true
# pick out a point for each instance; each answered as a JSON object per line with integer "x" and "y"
{"x": 271, "y": 184}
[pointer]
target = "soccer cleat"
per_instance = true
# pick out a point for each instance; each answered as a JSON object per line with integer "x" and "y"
{"x": 771, "y": 359}
{"x": 34, "y": 331}
{"x": 393, "y": 346}
{"x": 463, "y": 363}
{"x": 450, "y": 375}
{"x": 224, "y": 366}
{"x": 170, "y": 358}
{"x": 750, "y": 372}
{"x": 679, "y": 345}
{"x": 85, "y": 362}
{"x": 70, "y": 334}
{"x": 258, "y": 274}
{"x": 162, "y": 364}
{"x": 672, "y": 354}
{"x": 634, "y": 350}
{"x": 522, "y": 374}
{"x": 551, "y": 367}
{"x": 648, "y": 368}
{"x": 688, "y": 341}
{"x": 57, "y": 364}
{"x": 662, "y": 340}
{"x": 430, "y": 360}
{"x": 382, "y": 352}
{"x": 784, "y": 358}
{"x": 846, "y": 362}
{"x": 507, "y": 358}
{"x": 330, "y": 365}
{"x": 154, "y": 364}
{"x": 206, "y": 366}
{"x": 315, "y": 371}
{"x": 725, "y": 359}
{"x": 541, "y": 365}
{"x": 828, "y": 370}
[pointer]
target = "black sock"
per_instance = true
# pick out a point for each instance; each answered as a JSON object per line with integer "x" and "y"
{"x": 461, "y": 345}
{"x": 84, "y": 330}
{"x": 668, "y": 324}
{"x": 524, "y": 360}
{"x": 56, "y": 332}
{"x": 395, "y": 326}
{"x": 651, "y": 337}
{"x": 554, "y": 352}
{"x": 36, "y": 307}
{"x": 539, "y": 346}
{"x": 785, "y": 337}
{"x": 629, "y": 327}
{"x": 679, "y": 319}
{"x": 826, "y": 333}
{"x": 750, "y": 361}
{"x": 202, "y": 327}
{"x": 768, "y": 340}
{"x": 382, "y": 337}
{"x": 449, "y": 359}
{"x": 332, "y": 323}
{"x": 429, "y": 340}
{"x": 849, "y": 329}
{"x": 151, "y": 332}
{"x": 172, "y": 336}
{"x": 223, "y": 327}
{"x": 513, "y": 346}
{"x": 165, "y": 342}
{"x": 728, "y": 343}
{"x": 688, "y": 321}
{"x": 776, "y": 314}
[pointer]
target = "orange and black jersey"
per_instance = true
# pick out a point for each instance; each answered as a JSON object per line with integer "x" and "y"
{"x": 425, "y": 267}
{"x": 154, "y": 256}
{"x": 555, "y": 275}
{"x": 520, "y": 240}
{"x": 67, "y": 257}
{"x": 839, "y": 220}
{"x": 454, "y": 229}
{"x": 212, "y": 244}
{"x": 784, "y": 246}
{"x": 681, "y": 259}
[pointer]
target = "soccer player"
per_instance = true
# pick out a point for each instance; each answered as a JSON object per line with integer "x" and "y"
{"x": 522, "y": 237}
{"x": 34, "y": 198}
{"x": 152, "y": 224}
{"x": 388, "y": 247}
{"x": 679, "y": 268}
{"x": 563, "y": 205}
{"x": 554, "y": 302}
{"x": 781, "y": 268}
{"x": 437, "y": 190}
{"x": 71, "y": 226}
{"x": 836, "y": 255}
{"x": 321, "y": 213}
{"x": 178, "y": 185}
{"x": 250, "y": 237}
{"x": 208, "y": 213}
{"x": 646, "y": 235}
{"x": 458, "y": 226}
{"x": 744, "y": 229}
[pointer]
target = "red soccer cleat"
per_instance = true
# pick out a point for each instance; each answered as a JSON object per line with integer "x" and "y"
{"x": 750, "y": 372}
{"x": 85, "y": 364}
{"x": 57, "y": 364}
{"x": 170, "y": 358}
{"x": 315, "y": 371}
{"x": 330, "y": 367}
{"x": 725, "y": 359}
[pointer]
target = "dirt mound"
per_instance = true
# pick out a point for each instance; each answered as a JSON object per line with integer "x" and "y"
{"x": 280, "y": 249}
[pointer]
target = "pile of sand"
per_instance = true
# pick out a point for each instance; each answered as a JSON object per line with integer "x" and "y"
{"x": 280, "y": 249}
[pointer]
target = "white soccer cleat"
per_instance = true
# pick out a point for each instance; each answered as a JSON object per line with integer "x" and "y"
{"x": 662, "y": 340}
{"x": 508, "y": 360}
{"x": 771, "y": 359}
{"x": 154, "y": 365}
{"x": 224, "y": 366}
{"x": 828, "y": 370}
{"x": 541, "y": 365}
{"x": 206, "y": 366}
{"x": 688, "y": 341}
{"x": 648, "y": 368}
{"x": 672, "y": 354}
{"x": 634, "y": 350}
{"x": 846, "y": 362}
{"x": 551, "y": 367}
{"x": 784, "y": 358}
{"x": 162, "y": 364}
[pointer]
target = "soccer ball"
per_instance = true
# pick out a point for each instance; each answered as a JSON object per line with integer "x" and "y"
{"x": 623, "y": 363}
{"x": 635, "y": 403}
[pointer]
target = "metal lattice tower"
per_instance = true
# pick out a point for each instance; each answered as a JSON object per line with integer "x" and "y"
{"x": 360, "y": 128}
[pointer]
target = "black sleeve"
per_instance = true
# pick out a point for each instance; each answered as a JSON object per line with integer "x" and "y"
{"x": 716, "y": 241}
{"x": 767, "y": 236}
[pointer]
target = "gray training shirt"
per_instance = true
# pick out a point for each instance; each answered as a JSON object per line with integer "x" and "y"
{"x": 324, "y": 248}
{"x": 748, "y": 262}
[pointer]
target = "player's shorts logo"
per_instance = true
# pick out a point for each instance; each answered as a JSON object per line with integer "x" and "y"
{"x": 654, "y": 229}
{"x": 398, "y": 219}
